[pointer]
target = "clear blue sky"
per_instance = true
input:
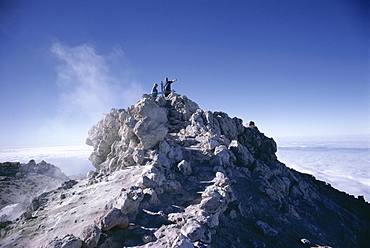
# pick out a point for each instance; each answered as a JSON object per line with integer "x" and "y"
{"x": 293, "y": 67}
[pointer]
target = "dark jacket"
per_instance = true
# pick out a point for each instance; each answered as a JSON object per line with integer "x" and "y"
{"x": 154, "y": 92}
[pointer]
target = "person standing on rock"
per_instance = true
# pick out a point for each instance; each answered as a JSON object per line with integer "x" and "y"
{"x": 167, "y": 86}
{"x": 155, "y": 90}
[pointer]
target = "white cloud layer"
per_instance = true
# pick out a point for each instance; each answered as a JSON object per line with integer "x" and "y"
{"x": 342, "y": 161}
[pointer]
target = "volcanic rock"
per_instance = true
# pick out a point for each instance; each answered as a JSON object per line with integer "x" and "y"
{"x": 19, "y": 183}
{"x": 169, "y": 174}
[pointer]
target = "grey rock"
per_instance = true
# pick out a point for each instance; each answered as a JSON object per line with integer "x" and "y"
{"x": 150, "y": 132}
{"x": 243, "y": 156}
{"x": 221, "y": 180}
{"x": 211, "y": 204}
{"x": 262, "y": 170}
{"x": 222, "y": 152}
{"x": 151, "y": 177}
{"x": 68, "y": 241}
{"x": 182, "y": 242}
{"x": 265, "y": 229}
{"x": 173, "y": 175}
{"x": 22, "y": 170}
{"x": 131, "y": 200}
{"x": 91, "y": 235}
{"x": 102, "y": 135}
{"x": 184, "y": 167}
{"x": 193, "y": 230}
{"x": 138, "y": 156}
{"x": 148, "y": 108}
{"x": 113, "y": 218}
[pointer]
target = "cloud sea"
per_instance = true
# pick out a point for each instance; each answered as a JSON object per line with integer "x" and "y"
{"x": 342, "y": 161}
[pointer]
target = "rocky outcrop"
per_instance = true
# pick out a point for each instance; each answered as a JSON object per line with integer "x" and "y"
{"x": 9, "y": 169}
{"x": 19, "y": 183}
{"x": 169, "y": 174}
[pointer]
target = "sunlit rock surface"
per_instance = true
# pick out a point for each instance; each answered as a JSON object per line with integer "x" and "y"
{"x": 169, "y": 174}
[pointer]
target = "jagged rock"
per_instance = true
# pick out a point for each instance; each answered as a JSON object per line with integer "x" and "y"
{"x": 91, "y": 174}
{"x": 220, "y": 180}
{"x": 68, "y": 184}
{"x": 212, "y": 204}
{"x": 258, "y": 144}
{"x": 22, "y": 182}
{"x": 102, "y": 135}
{"x": 193, "y": 230}
{"x": 150, "y": 132}
{"x": 251, "y": 124}
{"x": 153, "y": 200}
{"x": 184, "y": 167}
{"x": 113, "y": 218}
{"x": 231, "y": 128}
{"x": 182, "y": 107}
{"x": 222, "y": 153}
{"x": 22, "y": 170}
{"x": 179, "y": 176}
{"x": 131, "y": 200}
{"x": 262, "y": 170}
{"x": 148, "y": 108}
{"x": 9, "y": 169}
{"x": 47, "y": 169}
{"x": 182, "y": 242}
{"x": 265, "y": 229}
{"x": 152, "y": 178}
{"x": 171, "y": 186}
{"x": 68, "y": 241}
{"x": 243, "y": 156}
{"x": 91, "y": 235}
{"x": 166, "y": 236}
{"x": 138, "y": 156}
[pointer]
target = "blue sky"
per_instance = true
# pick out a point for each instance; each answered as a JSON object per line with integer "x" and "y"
{"x": 293, "y": 67}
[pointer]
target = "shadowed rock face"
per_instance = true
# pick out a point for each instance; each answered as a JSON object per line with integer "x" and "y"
{"x": 169, "y": 174}
{"x": 19, "y": 170}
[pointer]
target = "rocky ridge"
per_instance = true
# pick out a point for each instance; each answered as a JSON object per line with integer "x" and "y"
{"x": 19, "y": 183}
{"x": 169, "y": 174}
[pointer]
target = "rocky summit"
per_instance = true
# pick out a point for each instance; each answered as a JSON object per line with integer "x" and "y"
{"x": 169, "y": 174}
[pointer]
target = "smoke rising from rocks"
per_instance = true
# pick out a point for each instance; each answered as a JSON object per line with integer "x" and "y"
{"x": 89, "y": 84}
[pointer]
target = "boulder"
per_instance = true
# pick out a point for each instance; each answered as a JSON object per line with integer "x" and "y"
{"x": 193, "y": 230}
{"x": 68, "y": 241}
{"x": 113, "y": 218}
{"x": 243, "y": 156}
{"x": 151, "y": 177}
{"x": 91, "y": 235}
{"x": 150, "y": 132}
{"x": 184, "y": 167}
{"x": 131, "y": 200}
{"x": 222, "y": 153}
{"x": 148, "y": 108}
{"x": 102, "y": 135}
